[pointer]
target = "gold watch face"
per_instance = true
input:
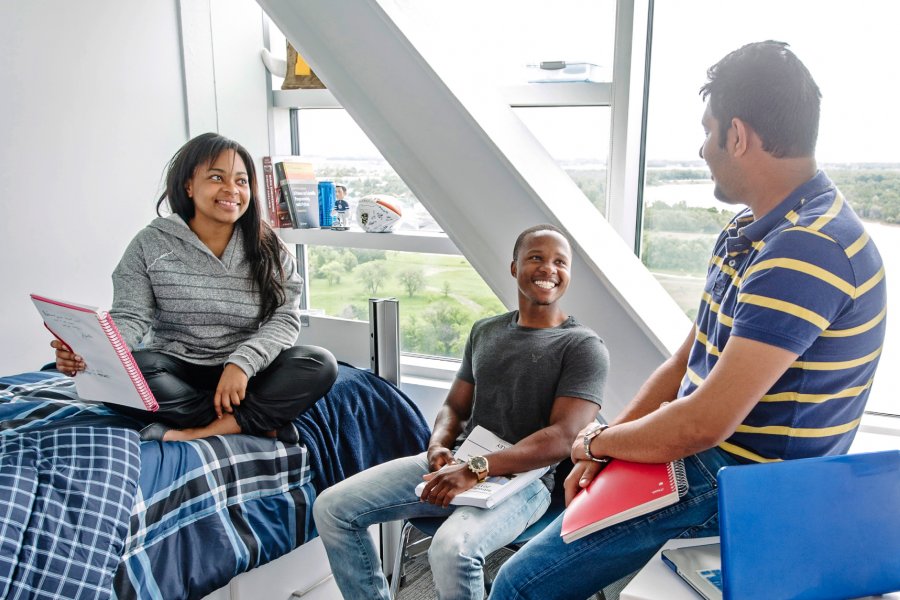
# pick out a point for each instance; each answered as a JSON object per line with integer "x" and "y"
{"x": 478, "y": 463}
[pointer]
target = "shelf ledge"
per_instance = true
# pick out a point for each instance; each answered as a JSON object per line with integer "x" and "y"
{"x": 401, "y": 241}
{"x": 522, "y": 95}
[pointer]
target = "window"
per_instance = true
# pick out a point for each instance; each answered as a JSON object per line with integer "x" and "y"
{"x": 342, "y": 153}
{"x": 498, "y": 39}
{"x": 855, "y": 146}
{"x": 578, "y": 140}
{"x": 572, "y": 126}
{"x": 440, "y": 295}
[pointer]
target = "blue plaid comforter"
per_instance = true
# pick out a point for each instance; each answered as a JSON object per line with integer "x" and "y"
{"x": 88, "y": 511}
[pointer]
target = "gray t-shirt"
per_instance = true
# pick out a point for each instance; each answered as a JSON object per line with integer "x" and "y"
{"x": 518, "y": 373}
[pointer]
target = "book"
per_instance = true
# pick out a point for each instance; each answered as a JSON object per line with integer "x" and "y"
{"x": 492, "y": 490}
{"x": 111, "y": 373}
{"x": 621, "y": 491}
{"x": 300, "y": 190}
{"x": 276, "y": 206}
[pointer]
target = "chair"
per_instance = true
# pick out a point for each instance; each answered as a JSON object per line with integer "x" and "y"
{"x": 429, "y": 526}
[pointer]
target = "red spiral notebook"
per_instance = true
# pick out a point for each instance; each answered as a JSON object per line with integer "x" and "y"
{"x": 621, "y": 491}
{"x": 111, "y": 374}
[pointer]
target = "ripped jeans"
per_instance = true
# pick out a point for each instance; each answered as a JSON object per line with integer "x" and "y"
{"x": 387, "y": 493}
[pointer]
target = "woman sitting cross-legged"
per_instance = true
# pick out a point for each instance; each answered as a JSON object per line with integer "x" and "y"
{"x": 207, "y": 299}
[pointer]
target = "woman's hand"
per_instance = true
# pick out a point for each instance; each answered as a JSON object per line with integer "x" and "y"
{"x": 67, "y": 361}
{"x": 231, "y": 389}
{"x": 444, "y": 485}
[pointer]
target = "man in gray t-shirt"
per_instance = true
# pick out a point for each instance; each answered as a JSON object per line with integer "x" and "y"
{"x": 534, "y": 377}
{"x": 519, "y": 372}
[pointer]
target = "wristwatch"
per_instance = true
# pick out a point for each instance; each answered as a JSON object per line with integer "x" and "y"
{"x": 589, "y": 437}
{"x": 479, "y": 466}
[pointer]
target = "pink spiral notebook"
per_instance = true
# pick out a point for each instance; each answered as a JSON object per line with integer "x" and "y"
{"x": 111, "y": 374}
{"x": 621, "y": 491}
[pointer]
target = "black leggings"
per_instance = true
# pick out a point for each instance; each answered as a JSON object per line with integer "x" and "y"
{"x": 297, "y": 377}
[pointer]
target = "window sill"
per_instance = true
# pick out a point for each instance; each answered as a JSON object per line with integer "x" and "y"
{"x": 881, "y": 424}
{"x": 440, "y": 370}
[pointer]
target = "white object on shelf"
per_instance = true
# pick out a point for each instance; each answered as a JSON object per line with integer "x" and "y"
{"x": 276, "y": 66}
{"x": 555, "y": 71}
{"x": 378, "y": 213}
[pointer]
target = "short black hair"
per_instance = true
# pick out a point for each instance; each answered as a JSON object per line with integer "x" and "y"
{"x": 535, "y": 229}
{"x": 765, "y": 85}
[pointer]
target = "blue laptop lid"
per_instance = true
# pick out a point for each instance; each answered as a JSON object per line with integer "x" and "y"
{"x": 811, "y": 528}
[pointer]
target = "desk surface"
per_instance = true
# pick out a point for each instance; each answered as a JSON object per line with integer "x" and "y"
{"x": 656, "y": 581}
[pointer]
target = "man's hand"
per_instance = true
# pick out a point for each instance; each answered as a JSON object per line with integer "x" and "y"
{"x": 231, "y": 389}
{"x": 438, "y": 456}
{"x": 580, "y": 476}
{"x": 444, "y": 485}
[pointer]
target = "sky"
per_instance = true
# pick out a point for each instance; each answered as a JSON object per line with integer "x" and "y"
{"x": 850, "y": 48}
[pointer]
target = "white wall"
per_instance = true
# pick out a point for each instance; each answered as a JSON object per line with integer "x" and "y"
{"x": 93, "y": 106}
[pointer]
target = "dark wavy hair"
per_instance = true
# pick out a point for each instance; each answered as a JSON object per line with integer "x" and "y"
{"x": 534, "y": 229}
{"x": 262, "y": 246}
{"x": 765, "y": 85}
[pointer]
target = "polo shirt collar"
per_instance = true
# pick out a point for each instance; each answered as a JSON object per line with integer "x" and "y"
{"x": 758, "y": 229}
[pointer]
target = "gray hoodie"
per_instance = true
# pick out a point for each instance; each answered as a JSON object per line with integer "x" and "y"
{"x": 198, "y": 307}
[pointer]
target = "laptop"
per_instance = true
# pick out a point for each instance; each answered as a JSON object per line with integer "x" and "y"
{"x": 816, "y": 528}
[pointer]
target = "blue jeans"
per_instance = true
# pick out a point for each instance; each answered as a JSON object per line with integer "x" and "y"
{"x": 387, "y": 493}
{"x": 548, "y": 568}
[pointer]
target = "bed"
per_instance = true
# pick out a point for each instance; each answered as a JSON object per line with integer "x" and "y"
{"x": 89, "y": 511}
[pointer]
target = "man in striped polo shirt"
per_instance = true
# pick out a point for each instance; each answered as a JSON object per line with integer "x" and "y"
{"x": 781, "y": 357}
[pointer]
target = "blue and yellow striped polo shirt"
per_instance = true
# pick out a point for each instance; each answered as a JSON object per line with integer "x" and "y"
{"x": 805, "y": 277}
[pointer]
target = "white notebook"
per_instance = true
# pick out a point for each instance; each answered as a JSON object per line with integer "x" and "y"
{"x": 111, "y": 374}
{"x": 492, "y": 490}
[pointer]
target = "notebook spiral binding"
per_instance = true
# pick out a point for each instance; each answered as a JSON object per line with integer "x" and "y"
{"x": 679, "y": 477}
{"x": 134, "y": 373}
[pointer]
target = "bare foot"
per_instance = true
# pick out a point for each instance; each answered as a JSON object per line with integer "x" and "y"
{"x": 224, "y": 426}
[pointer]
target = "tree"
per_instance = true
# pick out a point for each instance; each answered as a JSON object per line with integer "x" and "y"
{"x": 372, "y": 275}
{"x": 349, "y": 260}
{"x": 446, "y": 289}
{"x": 319, "y": 256}
{"x": 413, "y": 335}
{"x": 332, "y": 272}
{"x": 446, "y": 321}
{"x": 364, "y": 255}
{"x": 413, "y": 279}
